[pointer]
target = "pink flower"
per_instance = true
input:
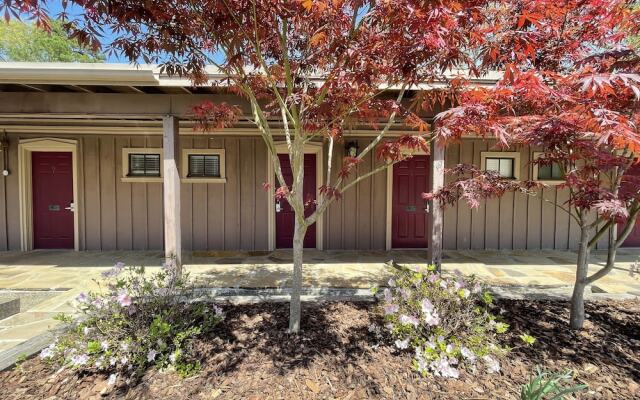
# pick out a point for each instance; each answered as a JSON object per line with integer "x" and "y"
{"x": 124, "y": 299}
{"x": 409, "y": 320}
{"x": 390, "y": 309}
{"x": 82, "y": 298}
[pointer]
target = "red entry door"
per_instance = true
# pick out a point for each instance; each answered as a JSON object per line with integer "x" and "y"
{"x": 285, "y": 217}
{"x": 408, "y": 215}
{"x": 633, "y": 240}
{"x": 52, "y": 178}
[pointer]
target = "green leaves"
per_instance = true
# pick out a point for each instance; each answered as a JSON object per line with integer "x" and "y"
{"x": 25, "y": 42}
{"x": 550, "y": 386}
{"x": 528, "y": 339}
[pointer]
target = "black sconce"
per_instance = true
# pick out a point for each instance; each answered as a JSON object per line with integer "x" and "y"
{"x": 352, "y": 149}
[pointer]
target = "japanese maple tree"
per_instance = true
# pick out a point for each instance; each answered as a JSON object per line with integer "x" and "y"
{"x": 571, "y": 89}
{"x": 309, "y": 69}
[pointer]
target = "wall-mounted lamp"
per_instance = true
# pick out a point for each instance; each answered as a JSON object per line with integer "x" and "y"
{"x": 352, "y": 149}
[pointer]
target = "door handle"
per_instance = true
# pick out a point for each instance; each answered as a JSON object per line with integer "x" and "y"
{"x": 278, "y": 207}
{"x": 72, "y": 207}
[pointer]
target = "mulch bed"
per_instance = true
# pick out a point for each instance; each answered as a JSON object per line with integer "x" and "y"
{"x": 337, "y": 356}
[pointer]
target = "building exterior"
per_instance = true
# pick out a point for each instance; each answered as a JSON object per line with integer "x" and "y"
{"x": 98, "y": 157}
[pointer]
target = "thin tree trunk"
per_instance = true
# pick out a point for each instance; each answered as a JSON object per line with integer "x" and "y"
{"x": 577, "y": 299}
{"x": 296, "y": 285}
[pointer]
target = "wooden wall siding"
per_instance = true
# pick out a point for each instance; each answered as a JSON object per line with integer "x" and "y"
{"x": 128, "y": 216}
{"x": 515, "y": 221}
{"x": 358, "y": 220}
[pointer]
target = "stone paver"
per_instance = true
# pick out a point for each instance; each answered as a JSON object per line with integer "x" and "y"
{"x": 74, "y": 272}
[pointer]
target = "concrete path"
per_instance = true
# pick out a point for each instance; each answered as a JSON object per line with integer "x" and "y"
{"x": 47, "y": 281}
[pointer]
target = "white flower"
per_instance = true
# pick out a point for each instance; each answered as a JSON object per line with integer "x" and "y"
{"x": 442, "y": 367}
{"x": 112, "y": 379}
{"x": 465, "y": 293}
{"x": 124, "y": 346}
{"x": 402, "y": 344}
{"x": 432, "y": 318}
{"x": 79, "y": 359}
{"x": 82, "y": 298}
{"x": 449, "y": 348}
{"x": 98, "y": 363}
{"x": 86, "y": 330}
{"x": 443, "y": 284}
{"x": 124, "y": 360}
{"x": 458, "y": 285}
{"x": 409, "y": 320}
{"x": 113, "y": 361}
{"x": 468, "y": 354}
{"x": 387, "y": 295}
{"x": 104, "y": 345}
{"x": 476, "y": 288}
{"x": 390, "y": 309}
{"x": 493, "y": 366}
{"x": 392, "y": 282}
{"x": 151, "y": 355}
{"x": 47, "y": 352}
{"x": 217, "y": 311}
{"x": 427, "y": 306}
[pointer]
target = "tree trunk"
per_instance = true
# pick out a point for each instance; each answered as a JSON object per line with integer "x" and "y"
{"x": 296, "y": 284}
{"x": 577, "y": 299}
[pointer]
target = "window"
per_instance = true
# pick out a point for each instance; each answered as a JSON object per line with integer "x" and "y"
{"x": 551, "y": 173}
{"x": 502, "y": 165}
{"x": 507, "y": 164}
{"x": 203, "y": 166}
{"x": 142, "y": 164}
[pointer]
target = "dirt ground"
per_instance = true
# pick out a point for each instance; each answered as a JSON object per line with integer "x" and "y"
{"x": 337, "y": 357}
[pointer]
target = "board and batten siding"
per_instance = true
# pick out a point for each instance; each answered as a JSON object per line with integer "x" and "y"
{"x": 515, "y": 221}
{"x": 116, "y": 215}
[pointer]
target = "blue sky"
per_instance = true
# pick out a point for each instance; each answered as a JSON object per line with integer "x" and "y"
{"x": 55, "y": 7}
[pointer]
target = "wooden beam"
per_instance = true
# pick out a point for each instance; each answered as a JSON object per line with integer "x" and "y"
{"x": 171, "y": 189}
{"x": 436, "y": 216}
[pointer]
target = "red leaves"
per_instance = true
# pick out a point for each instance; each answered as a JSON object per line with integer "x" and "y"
{"x": 399, "y": 149}
{"x": 330, "y": 192}
{"x": 210, "y": 116}
{"x": 473, "y": 186}
{"x": 348, "y": 163}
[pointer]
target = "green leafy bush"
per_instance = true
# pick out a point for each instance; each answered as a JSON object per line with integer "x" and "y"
{"x": 138, "y": 320}
{"x": 445, "y": 321}
{"x": 545, "y": 385}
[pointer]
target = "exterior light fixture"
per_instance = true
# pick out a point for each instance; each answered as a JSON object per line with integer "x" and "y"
{"x": 352, "y": 149}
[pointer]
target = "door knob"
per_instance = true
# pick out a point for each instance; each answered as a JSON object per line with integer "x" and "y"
{"x": 278, "y": 207}
{"x": 72, "y": 207}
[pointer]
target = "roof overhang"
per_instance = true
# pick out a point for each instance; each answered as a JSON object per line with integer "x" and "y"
{"x": 85, "y": 77}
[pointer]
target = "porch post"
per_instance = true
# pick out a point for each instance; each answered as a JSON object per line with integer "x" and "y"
{"x": 436, "y": 216}
{"x": 171, "y": 190}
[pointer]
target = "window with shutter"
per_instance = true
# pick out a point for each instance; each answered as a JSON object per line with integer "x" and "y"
{"x": 144, "y": 165}
{"x": 502, "y": 165}
{"x": 204, "y": 166}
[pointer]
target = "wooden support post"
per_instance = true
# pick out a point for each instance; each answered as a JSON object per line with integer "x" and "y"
{"x": 171, "y": 186}
{"x": 436, "y": 216}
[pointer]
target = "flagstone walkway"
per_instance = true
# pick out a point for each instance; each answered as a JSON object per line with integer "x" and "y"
{"x": 47, "y": 281}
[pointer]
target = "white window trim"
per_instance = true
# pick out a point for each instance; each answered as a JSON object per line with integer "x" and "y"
{"x": 536, "y": 155}
{"x": 140, "y": 150}
{"x": 502, "y": 154}
{"x": 185, "y": 166}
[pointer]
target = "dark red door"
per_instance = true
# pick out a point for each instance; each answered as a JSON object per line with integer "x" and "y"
{"x": 408, "y": 216}
{"x": 285, "y": 218}
{"x": 634, "y": 238}
{"x": 52, "y": 176}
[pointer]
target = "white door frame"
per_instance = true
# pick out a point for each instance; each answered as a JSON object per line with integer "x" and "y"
{"x": 389, "y": 201}
{"x": 309, "y": 148}
{"x": 25, "y": 187}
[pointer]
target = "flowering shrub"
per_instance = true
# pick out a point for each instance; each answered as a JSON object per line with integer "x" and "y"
{"x": 139, "y": 320}
{"x": 445, "y": 321}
